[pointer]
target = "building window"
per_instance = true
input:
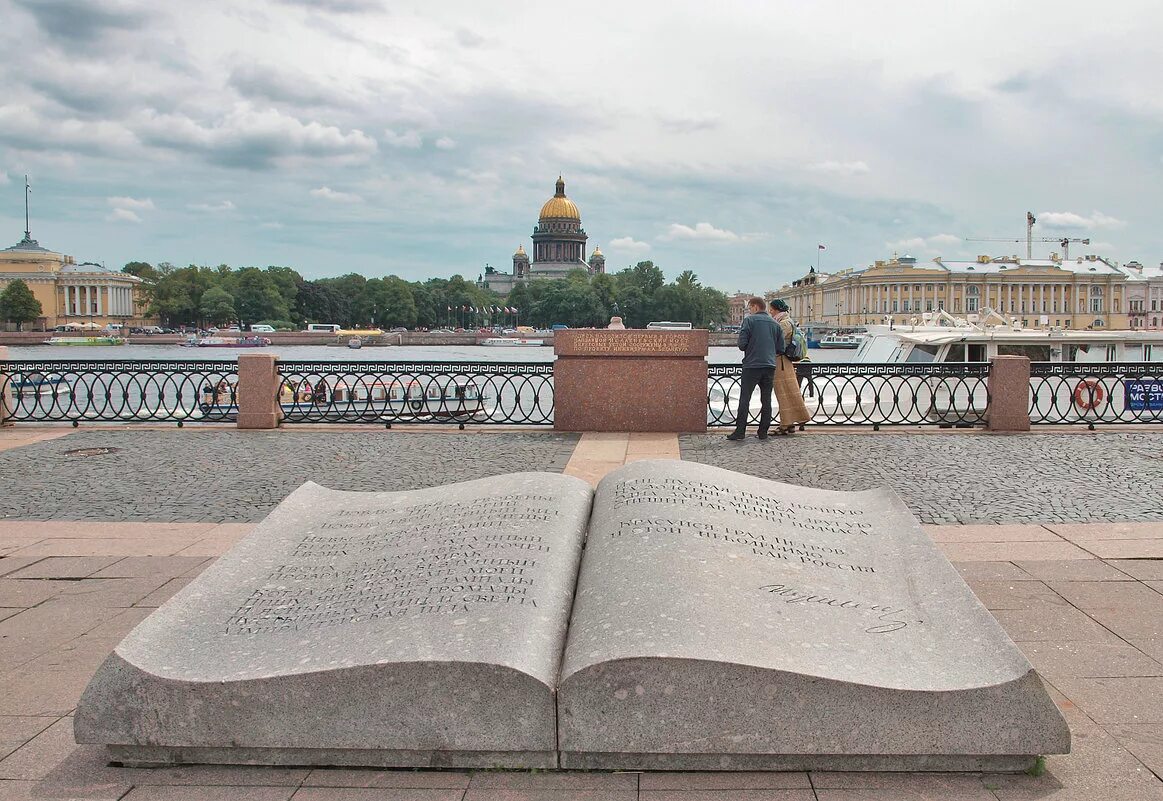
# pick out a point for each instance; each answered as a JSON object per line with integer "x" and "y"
{"x": 894, "y": 306}
{"x": 971, "y": 304}
{"x": 928, "y": 305}
{"x": 916, "y": 287}
{"x": 972, "y": 290}
{"x": 928, "y": 287}
{"x": 1096, "y": 304}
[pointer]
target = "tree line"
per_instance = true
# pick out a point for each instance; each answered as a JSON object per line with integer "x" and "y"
{"x": 280, "y": 296}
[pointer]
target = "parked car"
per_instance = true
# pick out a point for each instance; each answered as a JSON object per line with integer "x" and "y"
{"x": 152, "y": 329}
{"x": 262, "y": 329}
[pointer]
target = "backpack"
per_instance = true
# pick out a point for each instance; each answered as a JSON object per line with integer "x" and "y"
{"x": 795, "y": 347}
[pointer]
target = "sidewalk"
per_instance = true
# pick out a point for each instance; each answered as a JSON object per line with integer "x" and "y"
{"x": 1083, "y": 600}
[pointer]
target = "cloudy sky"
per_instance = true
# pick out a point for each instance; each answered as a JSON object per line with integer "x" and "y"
{"x": 731, "y": 138}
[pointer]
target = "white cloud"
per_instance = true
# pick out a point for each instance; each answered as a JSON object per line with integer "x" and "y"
{"x": 840, "y": 167}
{"x": 701, "y": 231}
{"x": 446, "y": 143}
{"x": 327, "y": 193}
{"x": 408, "y": 139}
{"x": 1069, "y": 219}
{"x": 931, "y": 244}
{"x": 145, "y": 204}
{"x": 222, "y": 206}
{"x": 4, "y": 179}
{"x": 123, "y": 215}
{"x": 629, "y": 243}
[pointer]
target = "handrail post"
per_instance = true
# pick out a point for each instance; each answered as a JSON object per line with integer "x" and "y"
{"x": 6, "y": 402}
{"x": 1009, "y": 393}
{"x": 257, "y": 391}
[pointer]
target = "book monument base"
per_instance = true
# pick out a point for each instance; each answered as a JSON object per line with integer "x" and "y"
{"x": 715, "y": 622}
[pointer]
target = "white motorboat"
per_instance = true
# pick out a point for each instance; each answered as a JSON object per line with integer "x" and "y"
{"x": 512, "y": 342}
{"x": 848, "y": 341}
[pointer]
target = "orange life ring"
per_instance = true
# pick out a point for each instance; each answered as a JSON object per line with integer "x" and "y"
{"x": 1089, "y": 394}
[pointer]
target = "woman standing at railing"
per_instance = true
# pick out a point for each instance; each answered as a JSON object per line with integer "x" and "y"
{"x": 792, "y": 409}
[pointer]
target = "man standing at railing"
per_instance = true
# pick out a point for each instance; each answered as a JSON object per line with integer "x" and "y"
{"x": 760, "y": 339}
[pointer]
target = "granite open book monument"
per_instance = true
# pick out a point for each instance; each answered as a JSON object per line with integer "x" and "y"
{"x": 718, "y": 621}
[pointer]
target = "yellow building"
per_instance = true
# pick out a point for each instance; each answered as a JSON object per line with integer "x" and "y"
{"x": 69, "y": 292}
{"x": 1087, "y": 292}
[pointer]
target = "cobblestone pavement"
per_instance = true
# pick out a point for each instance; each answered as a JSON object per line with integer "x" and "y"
{"x": 225, "y": 476}
{"x": 976, "y": 478}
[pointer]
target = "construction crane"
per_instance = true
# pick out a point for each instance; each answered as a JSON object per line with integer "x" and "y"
{"x": 1030, "y": 240}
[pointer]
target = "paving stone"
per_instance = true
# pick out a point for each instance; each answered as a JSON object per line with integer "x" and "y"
{"x": 380, "y": 794}
{"x": 726, "y": 780}
{"x": 515, "y": 794}
{"x": 250, "y": 793}
{"x": 10, "y": 564}
{"x": 1089, "y": 660}
{"x": 1052, "y": 623}
{"x": 231, "y": 775}
{"x": 1144, "y": 569}
{"x": 1012, "y": 551}
{"x": 186, "y": 476}
{"x": 16, "y": 730}
{"x": 1090, "y": 595}
{"x": 1072, "y": 570}
{"x": 560, "y": 780}
{"x": 413, "y": 779}
{"x": 1145, "y": 741}
{"x": 1015, "y": 594}
{"x": 954, "y": 479}
{"x": 992, "y": 571}
{"x": 1131, "y": 700}
{"x": 64, "y": 567}
{"x": 1108, "y": 531}
{"x": 167, "y": 567}
{"x": 727, "y": 795}
{"x": 995, "y": 533}
{"x": 25, "y": 593}
{"x": 1132, "y": 623}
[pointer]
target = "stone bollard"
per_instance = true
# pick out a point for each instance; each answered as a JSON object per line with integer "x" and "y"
{"x": 610, "y": 380}
{"x": 257, "y": 391}
{"x": 6, "y": 402}
{"x": 1009, "y": 394}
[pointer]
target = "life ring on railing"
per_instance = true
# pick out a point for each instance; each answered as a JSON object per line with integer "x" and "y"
{"x": 417, "y": 405}
{"x": 1089, "y": 394}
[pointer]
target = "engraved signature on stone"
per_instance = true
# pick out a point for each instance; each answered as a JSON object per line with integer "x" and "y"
{"x": 889, "y": 615}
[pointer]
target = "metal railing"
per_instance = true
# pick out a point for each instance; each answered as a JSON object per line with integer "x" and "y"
{"x": 1106, "y": 393}
{"x": 117, "y": 391}
{"x": 477, "y": 393}
{"x": 947, "y": 395}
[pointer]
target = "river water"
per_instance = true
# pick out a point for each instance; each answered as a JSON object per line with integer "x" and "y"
{"x": 328, "y": 353}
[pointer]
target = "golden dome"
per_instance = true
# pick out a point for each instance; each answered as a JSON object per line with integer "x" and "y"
{"x": 597, "y": 251}
{"x": 559, "y": 207}
{"x": 520, "y": 250}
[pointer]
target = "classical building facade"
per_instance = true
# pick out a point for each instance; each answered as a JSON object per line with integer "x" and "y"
{"x": 559, "y": 245}
{"x": 1088, "y": 292}
{"x": 70, "y": 292}
{"x": 1144, "y": 296}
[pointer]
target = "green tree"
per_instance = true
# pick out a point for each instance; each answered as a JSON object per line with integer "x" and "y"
{"x": 256, "y": 297}
{"x": 217, "y": 305}
{"x": 395, "y": 303}
{"x": 18, "y": 305}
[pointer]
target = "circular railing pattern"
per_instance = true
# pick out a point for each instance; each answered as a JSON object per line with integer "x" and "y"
{"x": 1104, "y": 393}
{"x": 117, "y": 391}
{"x": 478, "y": 393}
{"x": 949, "y": 395}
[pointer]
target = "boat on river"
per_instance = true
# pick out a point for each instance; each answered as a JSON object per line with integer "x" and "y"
{"x": 36, "y": 385}
{"x": 511, "y": 342}
{"x": 844, "y": 341}
{"x": 226, "y": 342}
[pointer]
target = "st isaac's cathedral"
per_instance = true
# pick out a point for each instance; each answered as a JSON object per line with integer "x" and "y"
{"x": 559, "y": 245}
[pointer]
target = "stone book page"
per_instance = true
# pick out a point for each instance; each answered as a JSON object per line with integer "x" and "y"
{"x": 726, "y": 621}
{"x": 396, "y": 628}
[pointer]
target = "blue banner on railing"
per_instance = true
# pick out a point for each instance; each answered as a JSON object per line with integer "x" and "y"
{"x": 1144, "y": 394}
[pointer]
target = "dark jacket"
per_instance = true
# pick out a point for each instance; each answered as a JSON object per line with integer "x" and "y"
{"x": 760, "y": 339}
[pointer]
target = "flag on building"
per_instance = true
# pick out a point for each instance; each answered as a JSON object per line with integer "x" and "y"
{"x": 821, "y": 247}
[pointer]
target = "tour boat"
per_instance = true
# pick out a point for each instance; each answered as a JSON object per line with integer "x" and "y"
{"x": 939, "y": 337}
{"x": 350, "y": 398}
{"x": 511, "y": 342}
{"x": 226, "y": 342}
{"x": 105, "y": 340}
{"x": 849, "y": 341}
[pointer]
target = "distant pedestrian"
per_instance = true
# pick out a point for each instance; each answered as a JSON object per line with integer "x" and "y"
{"x": 761, "y": 340}
{"x": 792, "y": 409}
